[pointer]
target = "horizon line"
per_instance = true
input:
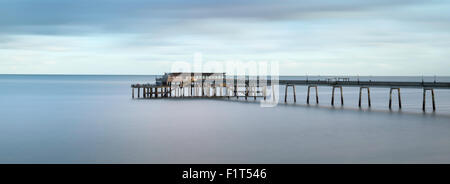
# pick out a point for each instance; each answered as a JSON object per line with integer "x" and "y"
{"x": 267, "y": 75}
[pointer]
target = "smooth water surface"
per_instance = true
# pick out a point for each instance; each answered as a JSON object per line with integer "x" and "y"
{"x": 92, "y": 119}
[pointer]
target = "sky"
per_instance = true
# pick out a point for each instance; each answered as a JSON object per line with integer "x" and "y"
{"x": 314, "y": 37}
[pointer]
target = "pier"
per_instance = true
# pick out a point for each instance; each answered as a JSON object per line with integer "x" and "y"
{"x": 218, "y": 85}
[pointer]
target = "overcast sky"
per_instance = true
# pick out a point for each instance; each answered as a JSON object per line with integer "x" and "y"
{"x": 354, "y": 37}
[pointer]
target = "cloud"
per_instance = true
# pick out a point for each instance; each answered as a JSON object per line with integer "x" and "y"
{"x": 81, "y": 16}
{"x": 334, "y": 35}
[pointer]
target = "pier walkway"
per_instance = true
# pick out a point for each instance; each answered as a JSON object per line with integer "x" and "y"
{"x": 216, "y": 85}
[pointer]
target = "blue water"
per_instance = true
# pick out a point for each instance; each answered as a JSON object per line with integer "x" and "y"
{"x": 92, "y": 119}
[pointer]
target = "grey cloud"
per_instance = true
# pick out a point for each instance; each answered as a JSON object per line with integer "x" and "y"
{"x": 87, "y": 16}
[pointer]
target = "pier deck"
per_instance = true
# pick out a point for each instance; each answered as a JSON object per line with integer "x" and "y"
{"x": 182, "y": 85}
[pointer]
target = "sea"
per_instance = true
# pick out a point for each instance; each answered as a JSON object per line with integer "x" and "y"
{"x": 94, "y": 119}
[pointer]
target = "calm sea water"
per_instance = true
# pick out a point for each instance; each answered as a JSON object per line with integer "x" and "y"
{"x": 92, "y": 119}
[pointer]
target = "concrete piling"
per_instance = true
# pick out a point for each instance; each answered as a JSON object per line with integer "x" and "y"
{"x": 432, "y": 98}
{"x": 332, "y": 95}
{"x": 368, "y": 96}
{"x": 317, "y": 95}
{"x": 285, "y": 92}
{"x": 139, "y": 92}
{"x": 399, "y": 98}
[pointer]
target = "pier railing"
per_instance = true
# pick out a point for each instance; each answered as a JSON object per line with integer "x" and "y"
{"x": 383, "y": 84}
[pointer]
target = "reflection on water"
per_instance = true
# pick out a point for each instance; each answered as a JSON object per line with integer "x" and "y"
{"x": 92, "y": 119}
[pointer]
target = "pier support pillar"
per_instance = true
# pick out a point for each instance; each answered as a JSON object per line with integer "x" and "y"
{"x": 317, "y": 95}
{"x": 165, "y": 92}
{"x": 332, "y": 95}
{"x": 246, "y": 92}
{"x": 235, "y": 90}
{"x": 182, "y": 88}
{"x": 432, "y": 98}
{"x": 285, "y": 92}
{"x": 150, "y": 92}
{"x": 132, "y": 92}
{"x": 265, "y": 92}
{"x": 273, "y": 92}
{"x": 139, "y": 92}
{"x": 203, "y": 89}
{"x": 255, "y": 92}
{"x": 368, "y": 95}
{"x": 161, "y": 94}
{"x": 399, "y": 98}
{"x": 144, "y": 95}
{"x": 214, "y": 89}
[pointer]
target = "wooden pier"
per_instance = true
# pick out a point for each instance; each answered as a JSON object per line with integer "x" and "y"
{"x": 217, "y": 85}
